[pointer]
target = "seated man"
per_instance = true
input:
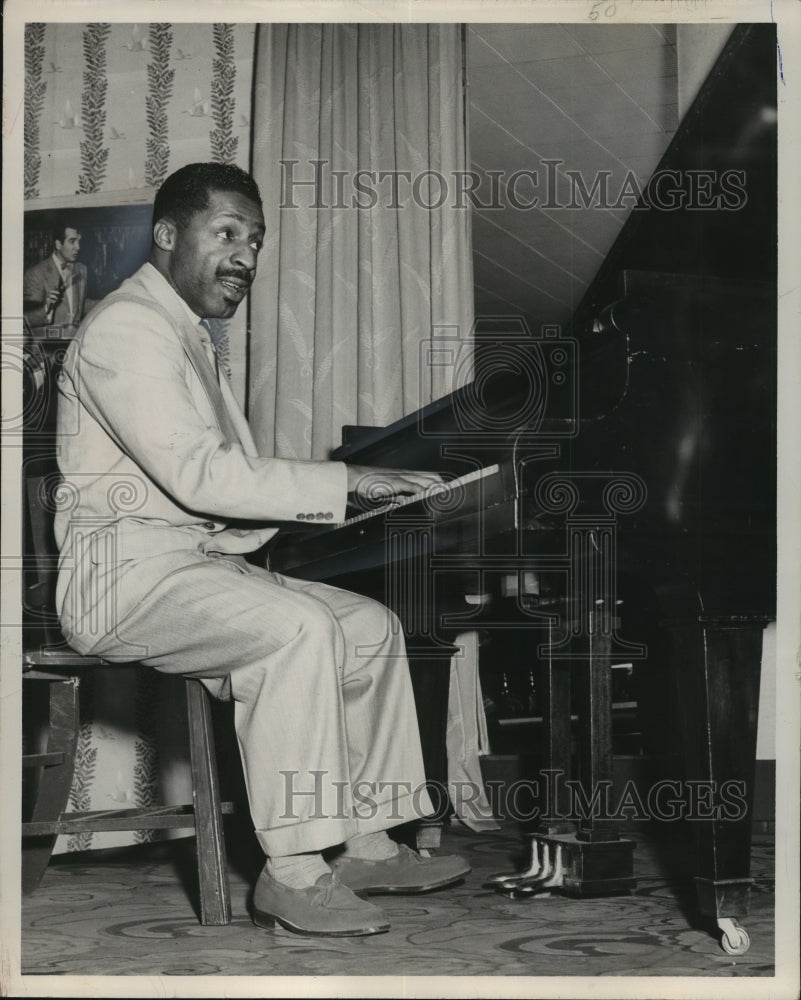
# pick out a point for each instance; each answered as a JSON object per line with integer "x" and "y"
{"x": 54, "y": 290}
{"x": 161, "y": 473}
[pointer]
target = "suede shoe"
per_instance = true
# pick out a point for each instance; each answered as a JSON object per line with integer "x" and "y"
{"x": 325, "y": 909}
{"x": 405, "y": 872}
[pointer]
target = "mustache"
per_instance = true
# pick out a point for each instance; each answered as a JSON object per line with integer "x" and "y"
{"x": 244, "y": 276}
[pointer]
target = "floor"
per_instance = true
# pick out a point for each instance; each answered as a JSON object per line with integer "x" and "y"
{"x": 127, "y": 912}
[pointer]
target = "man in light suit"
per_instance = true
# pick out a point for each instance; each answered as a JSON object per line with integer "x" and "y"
{"x": 163, "y": 491}
{"x": 54, "y": 290}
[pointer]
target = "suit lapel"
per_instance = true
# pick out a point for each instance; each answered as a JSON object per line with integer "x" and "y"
{"x": 239, "y": 419}
{"x": 51, "y": 271}
{"x": 160, "y": 294}
{"x": 68, "y": 310}
{"x": 77, "y": 282}
{"x": 71, "y": 296}
{"x": 62, "y": 313}
{"x": 208, "y": 378}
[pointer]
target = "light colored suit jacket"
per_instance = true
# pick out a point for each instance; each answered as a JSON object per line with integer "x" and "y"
{"x": 157, "y": 462}
{"x": 43, "y": 278}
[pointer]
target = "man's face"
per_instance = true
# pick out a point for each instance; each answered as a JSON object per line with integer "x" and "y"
{"x": 213, "y": 259}
{"x": 67, "y": 249}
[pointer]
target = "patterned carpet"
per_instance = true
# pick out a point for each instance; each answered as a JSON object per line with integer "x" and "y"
{"x": 130, "y": 913}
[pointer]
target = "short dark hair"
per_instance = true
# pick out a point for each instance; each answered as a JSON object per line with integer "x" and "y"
{"x": 60, "y": 227}
{"x": 187, "y": 191}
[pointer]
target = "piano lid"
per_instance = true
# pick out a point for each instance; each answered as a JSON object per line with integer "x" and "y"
{"x": 714, "y": 191}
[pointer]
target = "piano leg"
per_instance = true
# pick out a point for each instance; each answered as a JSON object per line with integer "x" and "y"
{"x": 576, "y": 847}
{"x": 719, "y": 666}
{"x": 555, "y": 694}
{"x": 595, "y": 738}
{"x": 595, "y": 859}
{"x": 430, "y": 674}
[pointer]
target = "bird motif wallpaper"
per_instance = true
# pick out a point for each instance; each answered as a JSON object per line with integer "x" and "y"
{"x": 115, "y": 107}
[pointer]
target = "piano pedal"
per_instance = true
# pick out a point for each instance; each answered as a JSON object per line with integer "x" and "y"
{"x": 534, "y": 867}
{"x": 555, "y": 879}
{"x": 539, "y": 879}
{"x": 532, "y": 884}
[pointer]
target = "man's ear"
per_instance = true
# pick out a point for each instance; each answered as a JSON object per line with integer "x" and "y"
{"x": 164, "y": 234}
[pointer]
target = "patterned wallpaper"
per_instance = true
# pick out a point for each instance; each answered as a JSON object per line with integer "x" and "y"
{"x": 111, "y": 107}
{"x": 116, "y": 107}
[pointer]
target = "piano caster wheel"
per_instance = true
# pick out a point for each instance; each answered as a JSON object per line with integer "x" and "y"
{"x": 735, "y": 940}
{"x": 500, "y": 879}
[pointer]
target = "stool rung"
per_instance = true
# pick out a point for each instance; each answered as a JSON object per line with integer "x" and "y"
{"x": 157, "y": 818}
{"x": 43, "y": 759}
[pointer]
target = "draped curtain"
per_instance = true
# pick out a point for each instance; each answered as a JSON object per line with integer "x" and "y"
{"x": 363, "y": 309}
{"x": 365, "y": 277}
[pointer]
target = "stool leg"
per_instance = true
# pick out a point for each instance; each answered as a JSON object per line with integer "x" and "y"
{"x": 52, "y": 794}
{"x": 215, "y": 900}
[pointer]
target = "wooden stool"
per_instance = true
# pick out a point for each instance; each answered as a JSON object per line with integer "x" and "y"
{"x": 57, "y": 763}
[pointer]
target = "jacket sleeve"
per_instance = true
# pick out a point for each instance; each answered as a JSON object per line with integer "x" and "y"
{"x": 129, "y": 373}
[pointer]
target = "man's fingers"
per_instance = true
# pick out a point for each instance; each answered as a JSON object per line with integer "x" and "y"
{"x": 414, "y": 482}
{"x": 378, "y": 483}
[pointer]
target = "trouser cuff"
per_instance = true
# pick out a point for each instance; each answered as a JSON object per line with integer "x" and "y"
{"x": 317, "y": 834}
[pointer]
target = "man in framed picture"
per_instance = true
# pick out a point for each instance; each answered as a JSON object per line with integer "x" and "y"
{"x": 54, "y": 290}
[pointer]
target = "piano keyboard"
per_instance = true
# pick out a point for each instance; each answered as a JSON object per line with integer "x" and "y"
{"x": 438, "y": 491}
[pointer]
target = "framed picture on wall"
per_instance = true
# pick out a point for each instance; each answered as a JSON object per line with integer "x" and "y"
{"x": 115, "y": 241}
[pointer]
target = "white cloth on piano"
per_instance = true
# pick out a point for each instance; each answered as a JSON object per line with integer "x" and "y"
{"x": 466, "y": 737}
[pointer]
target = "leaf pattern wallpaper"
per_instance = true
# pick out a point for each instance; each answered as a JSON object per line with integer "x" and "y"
{"x": 160, "y": 77}
{"x": 35, "y": 88}
{"x": 94, "y": 152}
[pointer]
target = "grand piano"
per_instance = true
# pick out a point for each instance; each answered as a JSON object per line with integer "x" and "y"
{"x": 628, "y": 460}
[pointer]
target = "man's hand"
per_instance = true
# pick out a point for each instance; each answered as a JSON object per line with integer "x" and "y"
{"x": 376, "y": 485}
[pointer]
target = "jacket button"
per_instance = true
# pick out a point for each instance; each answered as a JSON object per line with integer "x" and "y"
{"x": 300, "y": 517}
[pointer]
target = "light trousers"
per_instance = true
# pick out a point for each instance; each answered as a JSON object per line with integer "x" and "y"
{"x": 323, "y": 704}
